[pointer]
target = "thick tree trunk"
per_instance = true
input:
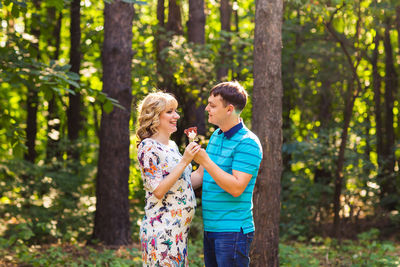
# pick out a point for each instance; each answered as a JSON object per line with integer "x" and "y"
{"x": 267, "y": 124}
{"x": 196, "y": 35}
{"x": 197, "y": 21}
{"x": 225, "y": 13}
{"x": 75, "y": 105}
{"x": 32, "y": 95}
{"x": 174, "y": 23}
{"x": 112, "y": 224}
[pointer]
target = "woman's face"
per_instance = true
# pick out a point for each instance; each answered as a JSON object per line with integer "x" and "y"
{"x": 168, "y": 119}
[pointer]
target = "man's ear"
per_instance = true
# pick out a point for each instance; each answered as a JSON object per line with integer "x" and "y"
{"x": 231, "y": 108}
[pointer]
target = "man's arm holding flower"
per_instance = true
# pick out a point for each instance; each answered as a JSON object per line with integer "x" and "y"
{"x": 234, "y": 183}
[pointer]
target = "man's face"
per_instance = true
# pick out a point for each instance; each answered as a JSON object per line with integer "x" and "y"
{"x": 217, "y": 111}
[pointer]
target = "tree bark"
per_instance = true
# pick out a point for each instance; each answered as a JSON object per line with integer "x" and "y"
{"x": 159, "y": 37}
{"x": 387, "y": 183}
{"x": 225, "y": 13}
{"x": 377, "y": 80}
{"x": 112, "y": 226}
{"x": 32, "y": 95}
{"x": 347, "y": 114}
{"x": 196, "y": 35}
{"x": 53, "y": 120}
{"x": 75, "y": 105}
{"x": 398, "y": 25}
{"x": 197, "y": 21}
{"x": 174, "y": 23}
{"x": 267, "y": 124}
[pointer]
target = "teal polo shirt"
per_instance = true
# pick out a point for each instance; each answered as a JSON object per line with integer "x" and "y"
{"x": 237, "y": 149}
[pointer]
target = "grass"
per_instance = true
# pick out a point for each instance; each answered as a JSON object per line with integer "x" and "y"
{"x": 317, "y": 252}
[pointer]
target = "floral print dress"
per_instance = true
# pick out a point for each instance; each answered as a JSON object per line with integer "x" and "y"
{"x": 165, "y": 226}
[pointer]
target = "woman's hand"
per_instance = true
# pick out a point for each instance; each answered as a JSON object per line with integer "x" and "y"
{"x": 190, "y": 151}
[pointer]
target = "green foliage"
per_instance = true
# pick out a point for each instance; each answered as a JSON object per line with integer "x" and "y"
{"x": 68, "y": 255}
{"x": 49, "y": 203}
{"x": 328, "y": 252}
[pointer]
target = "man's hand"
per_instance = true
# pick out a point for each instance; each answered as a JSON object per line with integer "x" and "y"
{"x": 201, "y": 157}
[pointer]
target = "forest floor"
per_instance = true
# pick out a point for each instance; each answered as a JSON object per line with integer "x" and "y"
{"x": 365, "y": 243}
{"x": 317, "y": 252}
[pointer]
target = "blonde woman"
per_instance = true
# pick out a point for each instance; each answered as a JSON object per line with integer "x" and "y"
{"x": 166, "y": 174}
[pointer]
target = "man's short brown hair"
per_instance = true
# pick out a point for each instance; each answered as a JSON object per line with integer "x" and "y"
{"x": 231, "y": 93}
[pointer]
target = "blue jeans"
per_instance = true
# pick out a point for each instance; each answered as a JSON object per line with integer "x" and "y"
{"x": 227, "y": 249}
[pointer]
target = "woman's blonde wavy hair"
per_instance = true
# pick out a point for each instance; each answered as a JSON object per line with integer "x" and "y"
{"x": 149, "y": 113}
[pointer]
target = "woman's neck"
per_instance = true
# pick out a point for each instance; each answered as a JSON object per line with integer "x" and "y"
{"x": 163, "y": 138}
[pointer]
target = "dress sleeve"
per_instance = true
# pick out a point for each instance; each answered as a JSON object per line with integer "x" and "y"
{"x": 150, "y": 164}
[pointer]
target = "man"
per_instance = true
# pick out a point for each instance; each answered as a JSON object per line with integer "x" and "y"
{"x": 228, "y": 169}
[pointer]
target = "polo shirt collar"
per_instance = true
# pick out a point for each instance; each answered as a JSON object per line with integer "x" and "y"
{"x": 233, "y": 130}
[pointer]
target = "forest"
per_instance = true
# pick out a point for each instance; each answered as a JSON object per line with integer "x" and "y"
{"x": 323, "y": 84}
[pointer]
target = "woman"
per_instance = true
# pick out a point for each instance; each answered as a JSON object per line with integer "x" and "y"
{"x": 170, "y": 199}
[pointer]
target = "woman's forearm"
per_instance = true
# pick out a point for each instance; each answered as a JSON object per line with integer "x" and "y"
{"x": 166, "y": 184}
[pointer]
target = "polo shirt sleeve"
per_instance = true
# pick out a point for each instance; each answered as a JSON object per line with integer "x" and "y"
{"x": 247, "y": 157}
{"x": 150, "y": 165}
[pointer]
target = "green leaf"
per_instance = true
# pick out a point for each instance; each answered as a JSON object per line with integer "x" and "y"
{"x": 59, "y": 5}
{"x": 15, "y": 11}
{"x": 74, "y": 84}
{"x": 108, "y": 107}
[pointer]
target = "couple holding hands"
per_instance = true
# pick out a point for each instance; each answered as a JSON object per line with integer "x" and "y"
{"x": 227, "y": 172}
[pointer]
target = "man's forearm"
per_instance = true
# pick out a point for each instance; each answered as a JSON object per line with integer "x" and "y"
{"x": 226, "y": 181}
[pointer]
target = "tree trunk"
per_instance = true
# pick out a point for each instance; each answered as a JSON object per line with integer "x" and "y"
{"x": 168, "y": 82}
{"x": 377, "y": 80}
{"x": 53, "y": 119}
{"x": 112, "y": 224}
{"x": 196, "y": 22}
{"x": 196, "y": 35}
{"x": 267, "y": 124}
{"x": 322, "y": 175}
{"x": 174, "y": 23}
{"x": 398, "y": 45}
{"x": 32, "y": 95}
{"x": 75, "y": 105}
{"x": 387, "y": 183}
{"x": 398, "y": 25}
{"x": 225, "y": 13}
{"x": 347, "y": 114}
{"x": 159, "y": 37}
{"x": 351, "y": 95}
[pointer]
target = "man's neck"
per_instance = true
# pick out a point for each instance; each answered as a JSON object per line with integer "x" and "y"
{"x": 228, "y": 124}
